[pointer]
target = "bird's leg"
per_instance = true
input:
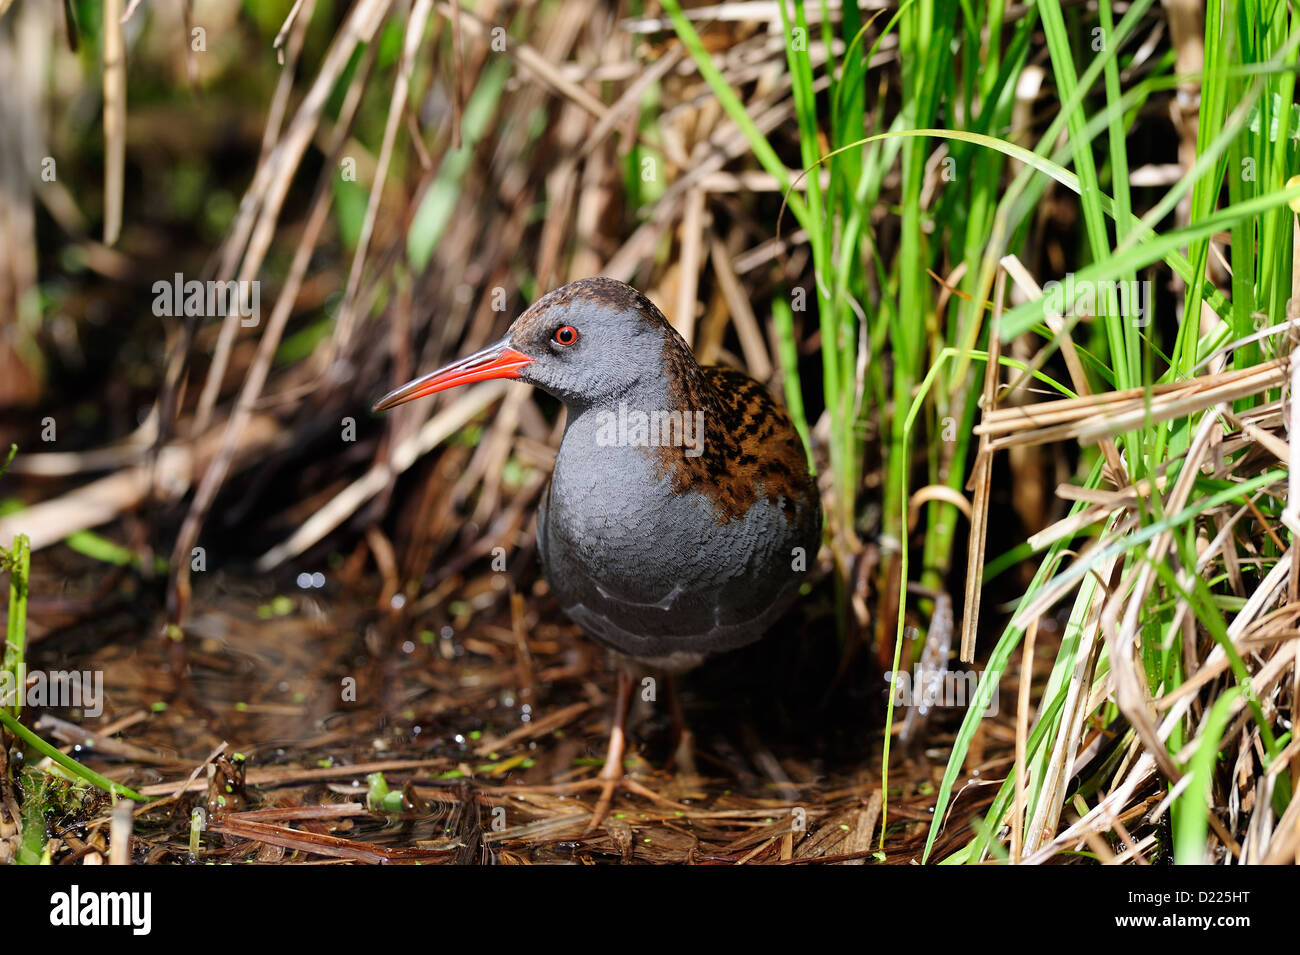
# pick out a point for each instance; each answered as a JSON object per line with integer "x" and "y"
{"x": 612, "y": 772}
{"x": 681, "y": 752}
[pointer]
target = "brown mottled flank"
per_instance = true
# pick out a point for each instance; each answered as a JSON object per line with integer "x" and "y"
{"x": 750, "y": 445}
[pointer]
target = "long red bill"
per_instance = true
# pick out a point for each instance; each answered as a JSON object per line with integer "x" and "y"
{"x": 495, "y": 361}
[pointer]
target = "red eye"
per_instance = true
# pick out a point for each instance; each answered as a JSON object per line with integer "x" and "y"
{"x": 566, "y": 335}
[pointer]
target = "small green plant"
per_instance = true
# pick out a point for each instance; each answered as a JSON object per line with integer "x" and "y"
{"x": 16, "y": 562}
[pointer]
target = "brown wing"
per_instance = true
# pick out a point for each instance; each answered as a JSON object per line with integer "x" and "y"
{"x": 750, "y": 448}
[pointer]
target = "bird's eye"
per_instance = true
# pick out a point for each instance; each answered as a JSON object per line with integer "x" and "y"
{"x": 565, "y": 335}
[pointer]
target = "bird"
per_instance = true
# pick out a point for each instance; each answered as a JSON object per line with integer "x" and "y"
{"x": 681, "y": 514}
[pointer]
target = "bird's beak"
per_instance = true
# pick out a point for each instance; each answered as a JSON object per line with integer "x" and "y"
{"x": 495, "y": 361}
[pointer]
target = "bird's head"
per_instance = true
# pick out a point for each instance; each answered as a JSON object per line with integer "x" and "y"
{"x": 592, "y": 340}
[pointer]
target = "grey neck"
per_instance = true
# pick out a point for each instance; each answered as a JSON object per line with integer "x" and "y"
{"x": 648, "y": 396}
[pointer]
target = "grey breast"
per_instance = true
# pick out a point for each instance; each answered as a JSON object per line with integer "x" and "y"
{"x": 652, "y": 573}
